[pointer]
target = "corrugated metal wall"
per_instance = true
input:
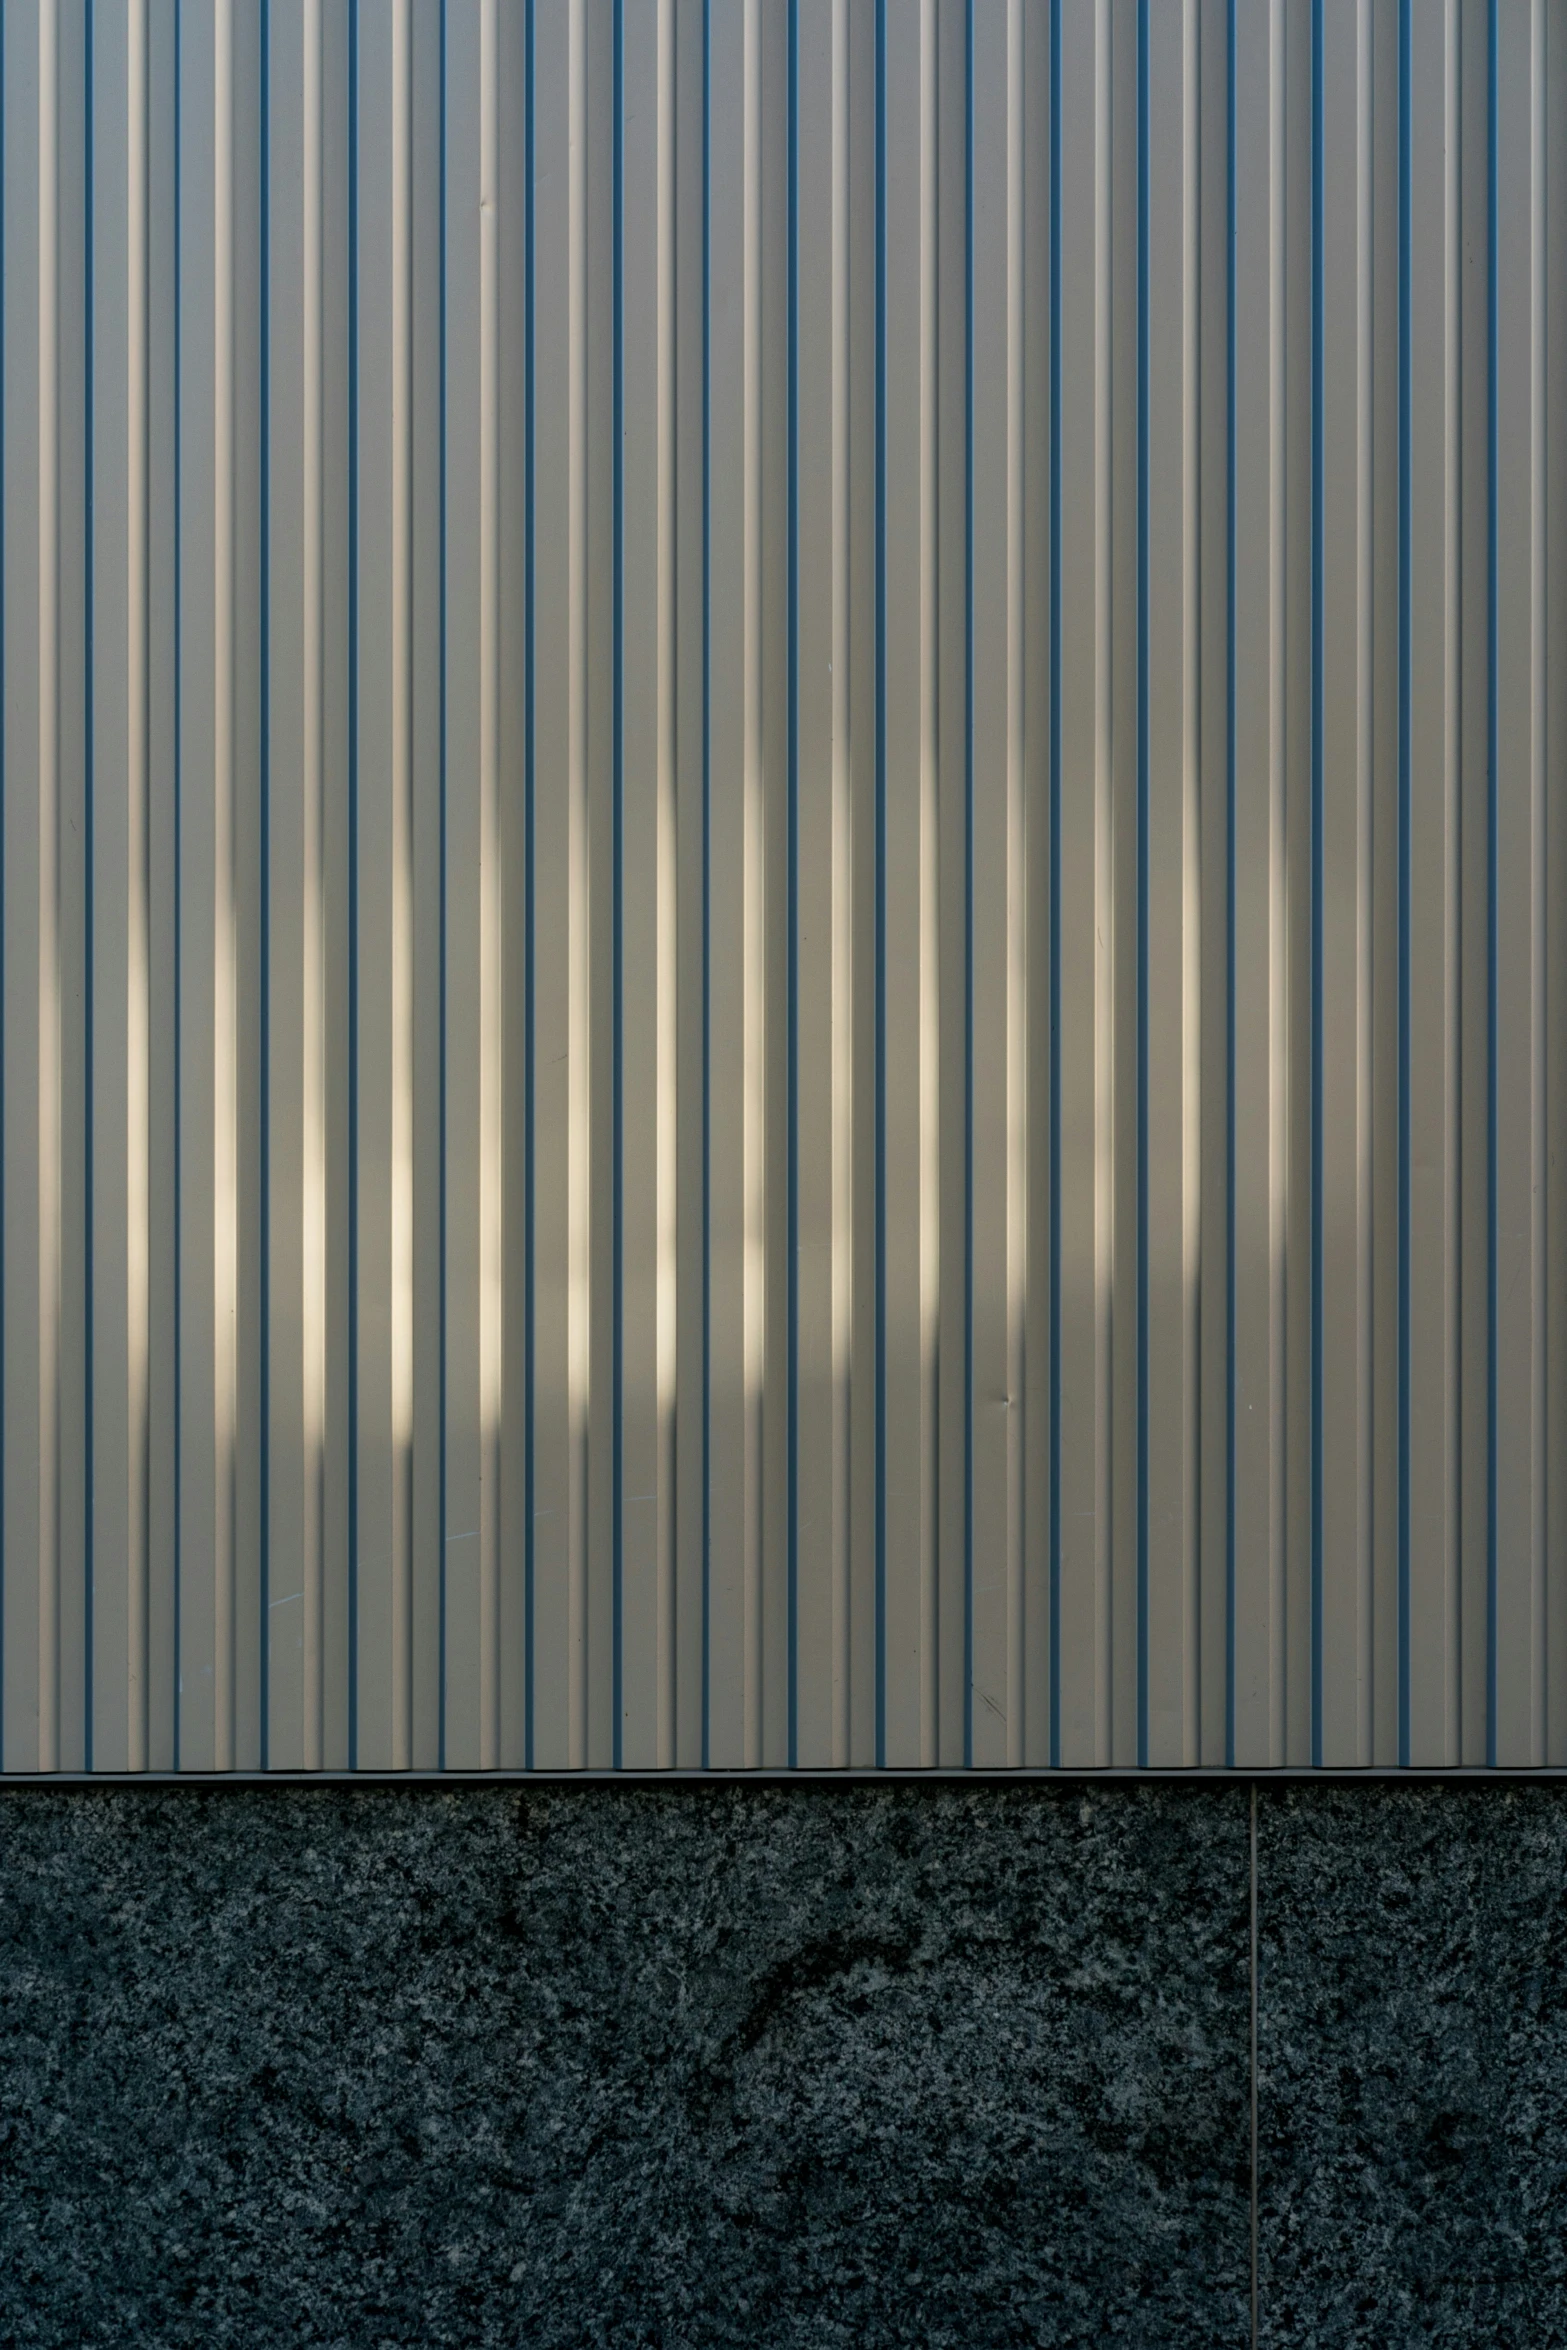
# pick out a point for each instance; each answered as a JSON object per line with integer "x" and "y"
{"x": 784, "y": 882}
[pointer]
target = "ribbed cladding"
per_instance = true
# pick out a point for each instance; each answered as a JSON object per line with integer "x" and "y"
{"x": 784, "y": 954}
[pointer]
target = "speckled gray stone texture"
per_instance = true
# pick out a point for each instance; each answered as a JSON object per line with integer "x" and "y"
{"x": 915, "y": 2066}
{"x": 1412, "y": 2070}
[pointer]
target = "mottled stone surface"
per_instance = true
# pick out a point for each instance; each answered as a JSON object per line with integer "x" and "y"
{"x": 904, "y": 2066}
{"x": 1413, "y": 2065}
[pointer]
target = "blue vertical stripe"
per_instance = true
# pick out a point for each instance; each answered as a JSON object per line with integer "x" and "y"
{"x": 881, "y": 882}
{"x": 1405, "y": 814}
{"x": 794, "y": 887}
{"x": 707, "y": 868}
{"x": 1318, "y": 392}
{"x": 1493, "y": 909}
{"x": 178, "y": 1039}
{"x": 1142, "y": 880}
{"x": 442, "y": 948}
{"x": 89, "y": 891}
{"x": 264, "y": 322}
{"x": 617, "y": 905}
{"x": 5, "y": 777}
{"x": 353, "y": 886}
{"x": 1232, "y": 974}
{"x": 968, "y": 889}
{"x": 1055, "y": 881}
{"x": 530, "y": 962}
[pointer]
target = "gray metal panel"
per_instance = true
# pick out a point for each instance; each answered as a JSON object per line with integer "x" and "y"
{"x": 784, "y": 961}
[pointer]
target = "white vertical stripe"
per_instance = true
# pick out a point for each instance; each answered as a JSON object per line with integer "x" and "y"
{"x": 667, "y": 1071}
{"x": 753, "y": 978}
{"x": 402, "y": 1104}
{"x": 137, "y": 1130}
{"x": 579, "y": 1137}
{"x": 313, "y": 1267}
{"x": 842, "y": 901}
{"x": 225, "y": 1037}
{"x": 491, "y": 968}
{"x": 49, "y": 1158}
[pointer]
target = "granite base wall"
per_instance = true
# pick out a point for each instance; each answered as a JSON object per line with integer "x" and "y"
{"x": 1412, "y": 2066}
{"x": 909, "y": 2064}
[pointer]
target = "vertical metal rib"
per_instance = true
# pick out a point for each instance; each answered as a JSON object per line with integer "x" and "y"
{"x": 1429, "y": 592}
{"x": 293, "y": 1006}
{"x": 560, "y": 908}
{"x": 1517, "y": 884}
{"x": 822, "y": 1075}
{"x": 1554, "y": 360}
{"x": 401, "y": 779}
{"x": 383, "y": 974}
{"x": 492, "y": 1018}
{"x": 1342, "y": 902}
{"x": 736, "y": 906}
{"x": 998, "y": 1039}
{"x": 113, "y": 1255}
{"x": 688, "y": 327}
{"x": 1170, "y": 894}
{"x": 645, "y": 860}
{"x": 907, "y": 944}
{"x": 49, "y": 1154}
{"x": 225, "y": 1036}
{"x": 1082, "y": 893}
{"x": 137, "y": 1136}
{"x": 579, "y": 1136}
{"x": 313, "y": 1041}
{"x": 1256, "y": 912}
